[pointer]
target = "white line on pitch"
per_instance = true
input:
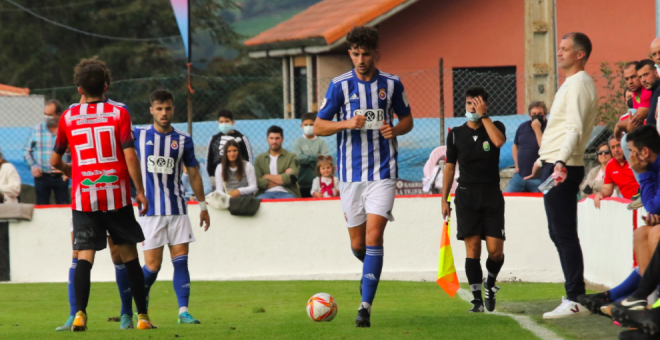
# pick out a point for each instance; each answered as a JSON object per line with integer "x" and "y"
{"x": 524, "y": 321}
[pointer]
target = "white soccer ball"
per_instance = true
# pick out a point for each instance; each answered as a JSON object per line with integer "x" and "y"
{"x": 321, "y": 307}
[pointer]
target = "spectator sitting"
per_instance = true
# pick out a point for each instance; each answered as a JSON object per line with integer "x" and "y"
{"x": 594, "y": 180}
{"x": 525, "y": 149}
{"x": 617, "y": 172}
{"x": 37, "y": 152}
{"x": 325, "y": 184}
{"x": 10, "y": 182}
{"x": 217, "y": 142}
{"x": 308, "y": 147}
{"x": 206, "y": 181}
{"x": 644, "y": 144}
{"x": 234, "y": 176}
{"x": 277, "y": 169}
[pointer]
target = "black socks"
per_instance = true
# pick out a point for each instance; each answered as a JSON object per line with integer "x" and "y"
{"x": 493, "y": 268}
{"x": 82, "y": 284}
{"x": 360, "y": 254}
{"x": 474, "y": 276}
{"x": 136, "y": 281}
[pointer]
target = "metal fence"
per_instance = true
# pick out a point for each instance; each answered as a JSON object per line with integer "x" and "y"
{"x": 258, "y": 102}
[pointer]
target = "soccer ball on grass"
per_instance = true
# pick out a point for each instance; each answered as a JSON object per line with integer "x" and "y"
{"x": 321, "y": 307}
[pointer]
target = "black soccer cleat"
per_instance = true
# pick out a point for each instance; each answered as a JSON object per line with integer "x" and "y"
{"x": 621, "y": 309}
{"x": 477, "y": 306}
{"x": 489, "y": 294}
{"x": 363, "y": 318}
{"x": 636, "y": 334}
{"x": 648, "y": 319}
{"x": 593, "y": 302}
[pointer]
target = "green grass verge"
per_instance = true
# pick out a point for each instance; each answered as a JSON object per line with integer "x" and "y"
{"x": 276, "y": 310}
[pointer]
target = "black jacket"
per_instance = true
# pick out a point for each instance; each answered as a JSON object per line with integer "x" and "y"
{"x": 216, "y": 147}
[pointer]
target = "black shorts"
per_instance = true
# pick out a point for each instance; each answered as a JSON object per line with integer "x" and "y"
{"x": 89, "y": 228}
{"x": 479, "y": 211}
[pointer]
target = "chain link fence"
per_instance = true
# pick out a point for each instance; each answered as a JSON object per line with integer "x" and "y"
{"x": 259, "y": 102}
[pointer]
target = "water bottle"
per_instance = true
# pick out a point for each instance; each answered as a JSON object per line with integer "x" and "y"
{"x": 551, "y": 182}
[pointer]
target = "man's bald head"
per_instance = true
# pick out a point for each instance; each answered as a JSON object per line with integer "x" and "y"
{"x": 655, "y": 50}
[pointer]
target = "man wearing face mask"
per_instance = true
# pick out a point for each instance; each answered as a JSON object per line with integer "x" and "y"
{"x": 308, "y": 147}
{"x": 217, "y": 142}
{"x": 479, "y": 202}
{"x": 36, "y": 153}
{"x": 525, "y": 149}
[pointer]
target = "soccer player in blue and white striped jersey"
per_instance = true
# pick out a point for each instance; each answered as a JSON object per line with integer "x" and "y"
{"x": 163, "y": 152}
{"x": 364, "y": 101}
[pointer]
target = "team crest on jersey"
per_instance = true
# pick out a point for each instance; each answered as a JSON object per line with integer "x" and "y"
{"x": 161, "y": 165}
{"x": 486, "y": 146}
{"x": 382, "y": 94}
{"x": 175, "y": 144}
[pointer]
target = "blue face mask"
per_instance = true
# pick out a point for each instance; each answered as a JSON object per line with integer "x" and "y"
{"x": 225, "y": 128}
{"x": 471, "y": 116}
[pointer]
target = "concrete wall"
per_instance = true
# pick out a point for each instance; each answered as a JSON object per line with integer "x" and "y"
{"x": 329, "y": 66}
{"x": 307, "y": 239}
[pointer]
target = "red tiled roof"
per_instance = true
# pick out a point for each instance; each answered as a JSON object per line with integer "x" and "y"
{"x": 328, "y": 19}
{"x": 6, "y": 90}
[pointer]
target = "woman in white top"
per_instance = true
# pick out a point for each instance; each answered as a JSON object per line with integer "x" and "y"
{"x": 594, "y": 180}
{"x": 10, "y": 182}
{"x": 234, "y": 177}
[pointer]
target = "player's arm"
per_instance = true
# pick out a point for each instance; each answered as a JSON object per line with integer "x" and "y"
{"x": 61, "y": 145}
{"x": 133, "y": 165}
{"x": 57, "y": 163}
{"x": 198, "y": 188}
{"x": 514, "y": 152}
{"x": 451, "y": 158}
{"x": 324, "y": 125}
{"x": 402, "y": 110}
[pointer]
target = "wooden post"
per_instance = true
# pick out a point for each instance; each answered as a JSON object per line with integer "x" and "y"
{"x": 442, "y": 101}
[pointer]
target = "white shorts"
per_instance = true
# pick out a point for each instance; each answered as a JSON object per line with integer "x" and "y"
{"x": 161, "y": 230}
{"x": 361, "y": 198}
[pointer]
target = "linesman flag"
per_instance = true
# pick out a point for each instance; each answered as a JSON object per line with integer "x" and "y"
{"x": 447, "y": 278}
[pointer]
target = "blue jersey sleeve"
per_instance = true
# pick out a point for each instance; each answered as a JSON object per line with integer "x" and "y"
{"x": 332, "y": 102}
{"x": 400, "y": 100}
{"x": 189, "y": 153}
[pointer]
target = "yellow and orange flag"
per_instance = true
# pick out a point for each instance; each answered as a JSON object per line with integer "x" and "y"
{"x": 447, "y": 278}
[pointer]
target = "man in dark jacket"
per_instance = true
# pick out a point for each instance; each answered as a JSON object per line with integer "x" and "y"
{"x": 217, "y": 142}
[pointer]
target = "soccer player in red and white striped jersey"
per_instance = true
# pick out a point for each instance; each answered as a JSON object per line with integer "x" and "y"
{"x": 103, "y": 157}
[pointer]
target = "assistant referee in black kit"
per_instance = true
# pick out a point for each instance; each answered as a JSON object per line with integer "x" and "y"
{"x": 479, "y": 202}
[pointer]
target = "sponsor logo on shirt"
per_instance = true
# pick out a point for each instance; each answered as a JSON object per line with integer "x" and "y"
{"x": 354, "y": 97}
{"x": 160, "y": 164}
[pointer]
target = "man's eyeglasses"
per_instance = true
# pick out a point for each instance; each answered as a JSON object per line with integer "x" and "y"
{"x": 600, "y": 153}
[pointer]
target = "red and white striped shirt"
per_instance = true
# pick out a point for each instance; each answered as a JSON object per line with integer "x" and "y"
{"x": 97, "y": 133}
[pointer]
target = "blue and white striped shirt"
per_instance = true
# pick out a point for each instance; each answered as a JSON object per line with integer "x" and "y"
{"x": 162, "y": 157}
{"x": 364, "y": 155}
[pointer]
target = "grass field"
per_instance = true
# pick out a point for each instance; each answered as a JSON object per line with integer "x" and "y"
{"x": 276, "y": 310}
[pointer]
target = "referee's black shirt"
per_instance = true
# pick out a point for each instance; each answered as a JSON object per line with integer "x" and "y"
{"x": 478, "y": 158}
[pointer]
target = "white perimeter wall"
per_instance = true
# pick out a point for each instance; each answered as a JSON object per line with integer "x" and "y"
{"x": 308, "y": 240}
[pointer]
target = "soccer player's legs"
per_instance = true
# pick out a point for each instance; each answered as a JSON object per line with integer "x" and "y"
{"x": 180, "y": 234}
{"x": 70, "y": 290}
{"x": 125, "y": 233}
{"x": 123, "y": 285}
{"x": 641, "y": 247}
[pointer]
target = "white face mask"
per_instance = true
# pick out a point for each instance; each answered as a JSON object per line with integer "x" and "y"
{"x": 225, "y": 127}
{"x": 471, "y": 116}
{"x": 308, "y": 130}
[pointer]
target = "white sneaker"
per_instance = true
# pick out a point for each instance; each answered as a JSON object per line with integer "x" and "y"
{"x": 565, "y": 309}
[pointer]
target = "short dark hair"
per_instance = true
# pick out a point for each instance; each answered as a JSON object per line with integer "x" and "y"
{"x": 58, "y": 105}
{"x": 630, "y": 64}
{"x": 91, "y": 77}
{"x": 308, "y": 116}
{"x": 645, "y": 62}
{"x": 625, "y": 89}
{"x": 537, "y": 103}
{"x": 645, "y": 136}
{"x": 477, "y": 91}
{"x": 363, "y": 37}
{"x": 607, "y": 144}
{"x": 275, "y": 129}
{"x": 581, "y": 42}
{"x": 95, "y": 61}
{"x": 225, "y": 113}
{"x": 161, "y": 96}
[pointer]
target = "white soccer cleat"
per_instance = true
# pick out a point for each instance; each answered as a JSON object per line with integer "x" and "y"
{"x": 566, "y": 309}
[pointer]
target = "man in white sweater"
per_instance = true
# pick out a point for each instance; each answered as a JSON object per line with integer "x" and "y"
{"x": 571, "y": 120}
